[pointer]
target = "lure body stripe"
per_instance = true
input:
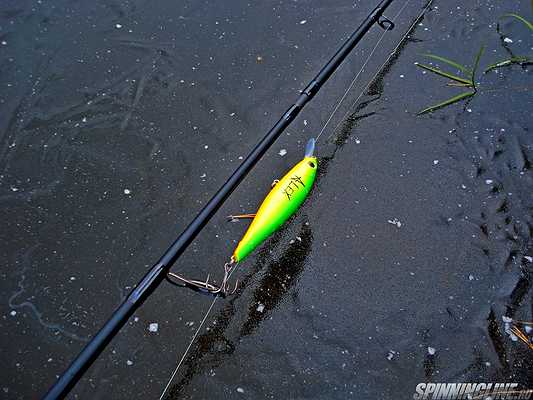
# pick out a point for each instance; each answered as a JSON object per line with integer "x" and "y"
{"x": 278, "y": 206}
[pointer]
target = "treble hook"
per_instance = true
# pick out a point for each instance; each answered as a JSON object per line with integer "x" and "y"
{"x": 205, "y": 286}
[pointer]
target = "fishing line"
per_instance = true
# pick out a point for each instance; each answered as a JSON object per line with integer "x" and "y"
{"x": 360, "y": 71}
{"x": 182, "y": 359}
{"x": 393, "y": 52}
{"x": 193, "y": 339}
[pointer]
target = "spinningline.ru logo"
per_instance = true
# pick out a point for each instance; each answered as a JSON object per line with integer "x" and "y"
{"x": 470, "y": 391}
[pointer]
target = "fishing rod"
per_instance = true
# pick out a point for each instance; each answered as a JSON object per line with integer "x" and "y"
{"x": 160, "y": 270}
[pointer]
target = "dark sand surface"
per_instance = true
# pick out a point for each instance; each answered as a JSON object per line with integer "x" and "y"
{"x": 119, "y": 120}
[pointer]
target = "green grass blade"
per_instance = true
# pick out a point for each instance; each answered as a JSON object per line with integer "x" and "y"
{"x": 520, "y": 18}
{"x": 444, "y": 74}
{"x": 450, "y": 62}
{"x": 507, "y": 62}
{"x": 445, "y": 103}
{"x": 476, "y": 65}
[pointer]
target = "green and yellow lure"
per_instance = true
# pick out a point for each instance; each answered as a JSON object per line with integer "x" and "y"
{"x": 279, "y": 205}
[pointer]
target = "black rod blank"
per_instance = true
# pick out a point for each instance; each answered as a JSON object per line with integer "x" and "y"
{"x": 158, "y": 272}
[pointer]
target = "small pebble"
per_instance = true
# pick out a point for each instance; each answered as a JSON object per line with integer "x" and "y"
{"x": 396, "y": 222}
{"x": 127, "y": 191}
{"x": 153, "y": 327}
{"x": 282, "y": 152}
{"x": 118, "y": 26}
{"x": 129, "y": 362}
{"x": 303, "y": 21}
{"x": 431, "y": 351}
{"x": 260, "y": 308}
{"x": 240, "y": 390}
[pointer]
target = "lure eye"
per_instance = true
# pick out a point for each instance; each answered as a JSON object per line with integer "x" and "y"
{"x": 312, "y": 164}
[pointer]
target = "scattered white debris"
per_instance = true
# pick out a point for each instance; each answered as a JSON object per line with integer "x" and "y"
{"x": 469, "y": 110}
{"x": 391, "y": 354}
{"x": 402, "y": 76}
{"x": 528, "y": 328}
{"x": 529, "y": 258}
{"x": 190, "y": 323}
{"x": 14, "y": 189}
{"x": 508, "y": 40}
{"x": 305, "y": 122}
{"x": 395, "y": 221}
{"x": 435, "y": 162}
{"x": 127, "y": 191}
{"x": 84, "y": 119}
{"x": 282, "y": 152}
{"x": 232, "y": 114}
{"x": 260, "y": 308}
{"x": 303, "y": 21}
{"x": 431, "y": 350}
{"x": 488, "y": 364}
{"x": 206, "y": 147}
{"x": 13, "y": 313}
{"x": 240, "y": 390}
{"x": 357, "y": 141}
{"x": 118, "y": 26}
{"x": 470, "y": 277}
{"x": 72, "y": 278}
{"x": 153, "y": 327}
{"x": 203, "y": 175}
{"x": 136, "y": 319}
{"x": 4, "y": 43}
{"x": 489, "y": 181}
{"x": 129, "y": 362}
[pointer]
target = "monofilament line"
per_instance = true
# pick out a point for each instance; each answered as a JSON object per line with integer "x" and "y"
{"x": 393, "y": 52}
{"x": 192, "y": 340}
{"x": 382, "y": 36}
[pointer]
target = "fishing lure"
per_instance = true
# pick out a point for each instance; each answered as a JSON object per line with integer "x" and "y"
{"x": 279, "y": 205}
